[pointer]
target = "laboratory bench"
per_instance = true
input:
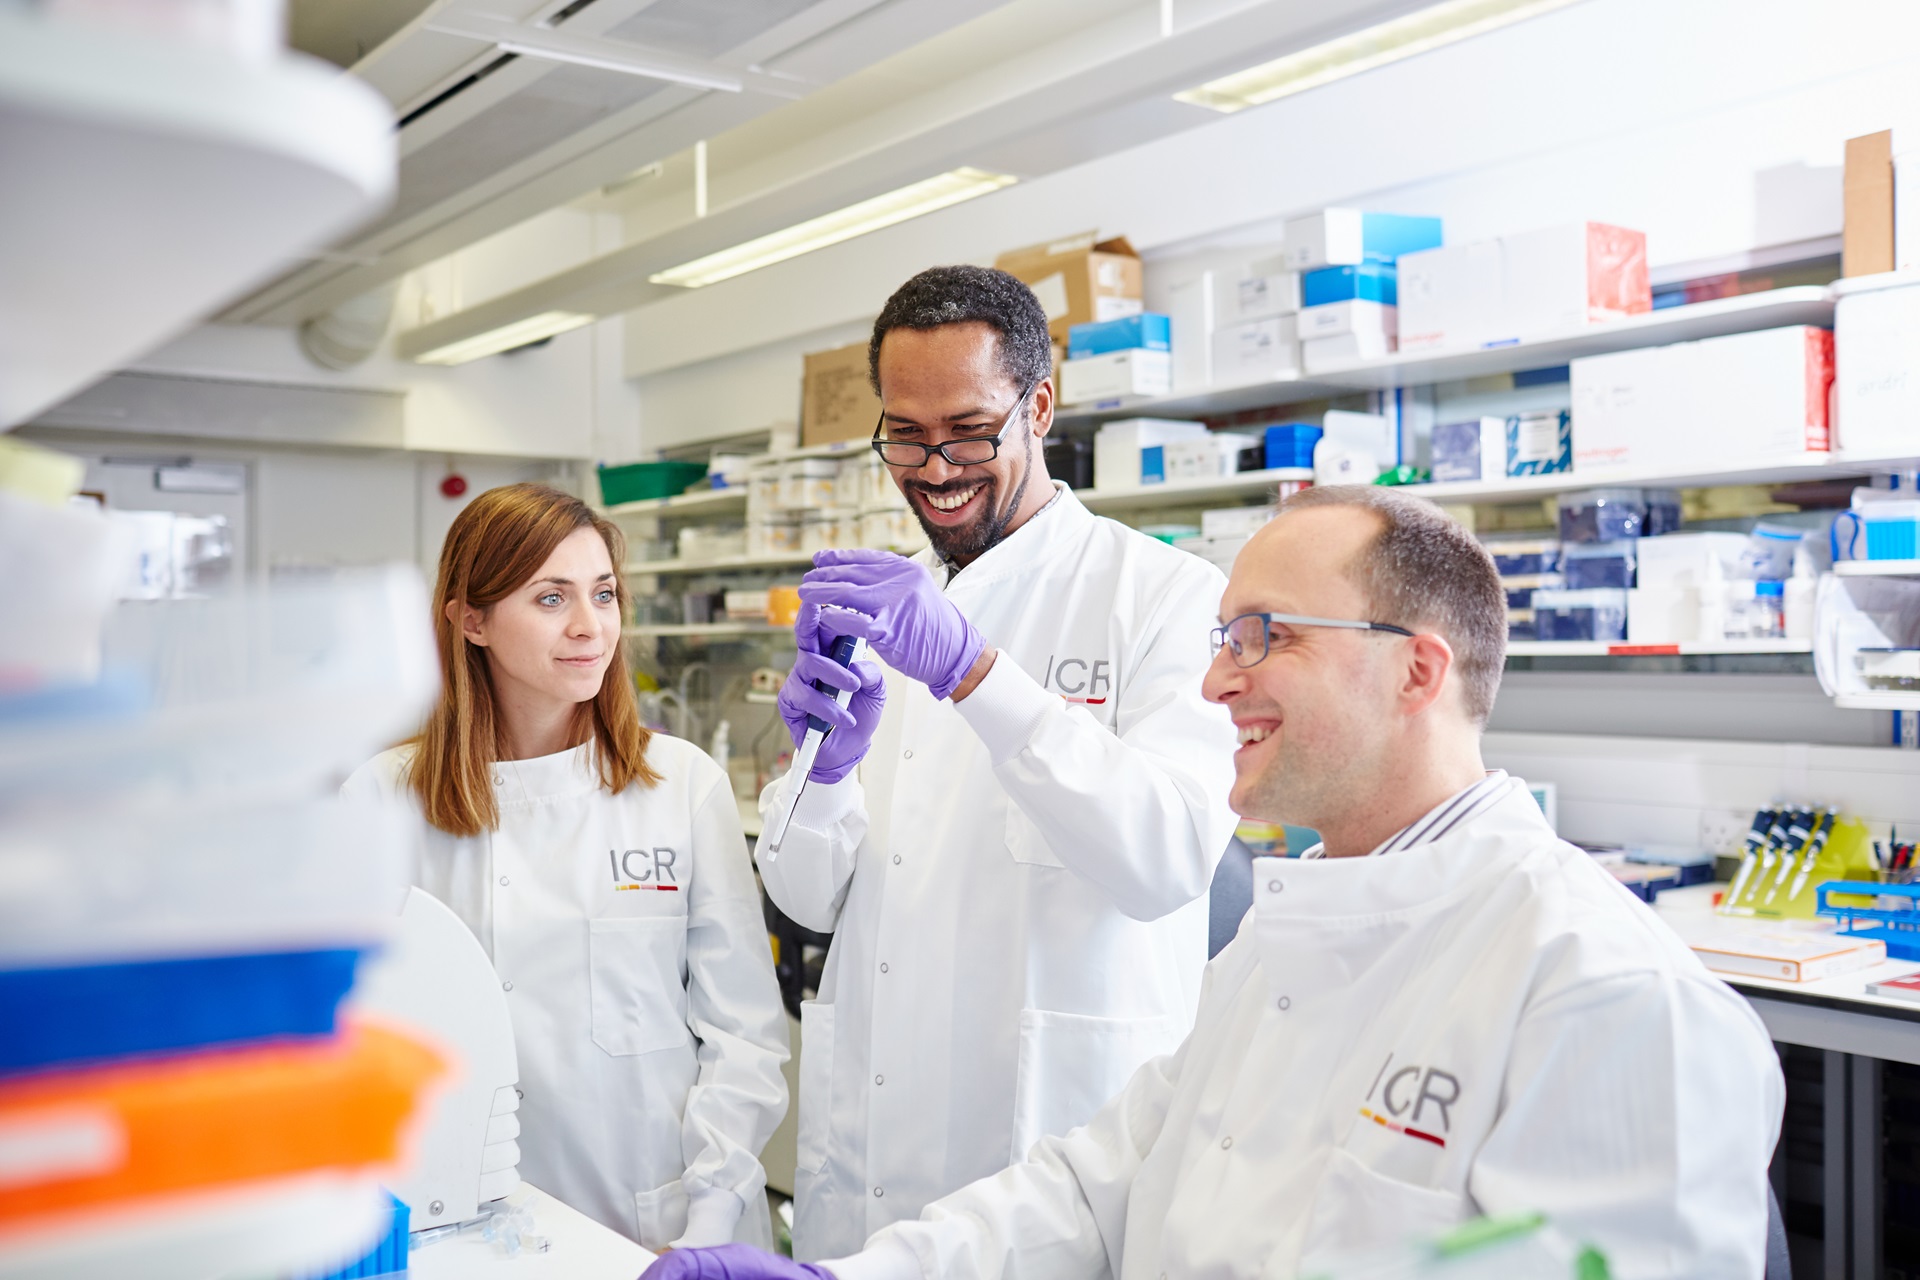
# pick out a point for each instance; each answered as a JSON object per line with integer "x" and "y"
{"x": 1852, "y": 1128}
{"x": 578, "y": 1248}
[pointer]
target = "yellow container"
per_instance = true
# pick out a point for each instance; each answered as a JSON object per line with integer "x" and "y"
{"x": 783, "y": 606}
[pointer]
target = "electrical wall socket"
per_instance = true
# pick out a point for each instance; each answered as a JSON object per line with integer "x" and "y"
{"x": 1724, "y": 830}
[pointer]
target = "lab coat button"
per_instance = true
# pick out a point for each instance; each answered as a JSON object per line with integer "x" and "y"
{"x": 506, "y": 986}
{"x": 879, "y": 1191}
{"x": 503, "y": 880}
{"x": 1274, "y": 886}
{"x": 1285, "y": 1004}
{"x": 1226, "y": 1144}
{"x": 879, "y": 1079}
{"x": 896, "y": 859}
{"x": 909, "y": 754}
{"x": 499, "y": 781}
{"x": 883, "y": 966}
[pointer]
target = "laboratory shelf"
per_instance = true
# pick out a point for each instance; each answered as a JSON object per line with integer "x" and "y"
{"x": 1888, "y": 701}
{"x": 150, "y": 180}
{"x": 717, "y": 564}
{"x": 1615, "y": 649}
{"x": 654, "y": 630}
{"x": 1877, "y": 568}
{"x": 1790, "y": 469}
{"x": 705, "y": 502}
{"x": 1806, "y": 304}
{"x": 1176, "y": 493}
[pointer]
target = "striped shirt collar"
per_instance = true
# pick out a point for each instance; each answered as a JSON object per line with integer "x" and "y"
{"x": 1442, "y": 820}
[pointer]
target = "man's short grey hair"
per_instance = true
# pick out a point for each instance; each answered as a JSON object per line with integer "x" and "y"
{"x": 1425, "y": 572}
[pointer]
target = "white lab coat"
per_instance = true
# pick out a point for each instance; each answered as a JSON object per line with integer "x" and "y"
{"x": 1484, "y": 1024}
{"x": 1016, "y": 883}
{"x": 627, "y": 931}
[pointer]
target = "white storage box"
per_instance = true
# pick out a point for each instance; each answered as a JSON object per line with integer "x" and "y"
{"x": 1116, "y": 374}
{"x": 1190, "y": 317}
{"x": 808, "y": 482}
{"x": 1260, "y": 291}
{"x": 1227, "y": 522}
{"x": 1679, "y": 560}
{"x": 1450, "y": 297}
{"x": 1354, "y": 315}
{"x": 1713, "y": 403}
{"x": 1215, "y": 455}
{"x": 1256, "y": 352}
{"x": 1117, "y": 447}
{"x": 1373, "y": 433}
{"x": 1320, "y": 354}
{"x": 1217, "y": 551}
{"x": 1521, "y": 287}
{"x": 1663, "y": 615}
{"x": 1876, "y": 392}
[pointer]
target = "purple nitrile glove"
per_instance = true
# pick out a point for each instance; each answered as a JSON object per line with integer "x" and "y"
{"x": 731, "y": 1262}
{"x": 895, "y": 606}
{"x": 853, "y": 724}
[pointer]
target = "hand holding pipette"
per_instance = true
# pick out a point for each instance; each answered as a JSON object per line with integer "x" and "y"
{"x": 831, "y": 702}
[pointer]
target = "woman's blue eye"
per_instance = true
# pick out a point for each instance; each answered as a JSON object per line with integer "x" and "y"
{"x": 606, "y": 596}
{"x": 552, "y": 597}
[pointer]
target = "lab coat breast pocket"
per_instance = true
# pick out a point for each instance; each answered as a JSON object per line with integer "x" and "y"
{"x": 1025, "y": 842}
{"x": 639, "y": 999}
{"x": 1071, "y": 1063}
{"x": 1358, "y": 1206}
{"x": 816, "y": 1085}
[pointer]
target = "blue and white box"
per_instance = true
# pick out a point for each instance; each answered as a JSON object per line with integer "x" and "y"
{"x": 1368, "y": 281}
{"x": 1472, "y": 450}
{"x": 1345, "y": 237}
{"x": 1148, "y": 331}
{"x": 1539, "y": 444}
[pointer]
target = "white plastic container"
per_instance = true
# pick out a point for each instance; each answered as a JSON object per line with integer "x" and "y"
{"x": 807, "y": 483}
{"x": 776, "y": 535}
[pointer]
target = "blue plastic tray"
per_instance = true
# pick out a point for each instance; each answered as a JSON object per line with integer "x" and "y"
{"x": 1898, "y": 927}
{"x": 387, "y": 1258}
{"x": 89, "y": 1013}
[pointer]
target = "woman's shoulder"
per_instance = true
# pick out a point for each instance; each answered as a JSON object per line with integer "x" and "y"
{"x": 678, "y": 760}
{"x": 385, "y": 775}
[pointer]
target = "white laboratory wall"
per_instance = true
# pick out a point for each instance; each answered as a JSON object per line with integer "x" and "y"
{"x": 1714, "y": 126}
{"x": 745, "y": 391}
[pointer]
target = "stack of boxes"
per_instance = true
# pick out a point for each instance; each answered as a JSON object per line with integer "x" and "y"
{"x": 1518, "y": 288}
{"x": 1255, "y": 334}
{"x": 1113, "y": 359}
{"x": 1349, "y": 294}
{"x": 1524, "y": 444}
{"x": 184, "y": 907}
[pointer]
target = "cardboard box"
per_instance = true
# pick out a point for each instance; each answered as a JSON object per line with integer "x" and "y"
{"x": 1876, "y": 381}
{"x": 1258, "y": 351}
{"x": 1336, "y": 237}
{"x": 1867, "y": 246}
{"x": 1260, "y": 291}
{"x": 1115, "y": 375}
{"x": 1118, "y": 446}
{"x": 1720, "y": 401}
{"x": 1521, "y": 287}
{"x": 1190, "y": 323}
{"x": 1079, "y": 280}
{"x": 1335, "y": 319}
{"x": 836, "y": 400}
{"x": 1472, "y": 450}
{"x": 1317, "y": 355}
{"x": 1789, "y": 957}
{"x": 1906, "y": 210}
{"x": 1148, "y": 331}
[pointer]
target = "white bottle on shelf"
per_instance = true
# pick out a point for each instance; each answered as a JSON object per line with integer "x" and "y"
{"x": 1798, "y": 597}
{"x": 1713, "y": 602}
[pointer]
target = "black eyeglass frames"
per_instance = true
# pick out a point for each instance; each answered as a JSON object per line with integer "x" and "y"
{"x": 970, "y": 452}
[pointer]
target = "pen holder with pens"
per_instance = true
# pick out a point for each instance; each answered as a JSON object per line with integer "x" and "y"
{"x": 1893, "y": 913}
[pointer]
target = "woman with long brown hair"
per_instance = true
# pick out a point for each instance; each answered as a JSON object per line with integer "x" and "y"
{"x": 604, "y": 869}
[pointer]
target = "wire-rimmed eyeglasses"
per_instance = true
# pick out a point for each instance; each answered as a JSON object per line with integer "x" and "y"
{"x": 1249, "y": 637}
{"x": 968, "y": 452}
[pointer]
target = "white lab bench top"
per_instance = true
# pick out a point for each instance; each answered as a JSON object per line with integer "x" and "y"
{"x": 579, "y": 1249}
{"x": 1833, "y": 1013}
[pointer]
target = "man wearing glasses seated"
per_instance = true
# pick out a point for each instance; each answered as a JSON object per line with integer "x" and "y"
{"x": 1011, "y": 829}
{"x": 1440, "y": 1012}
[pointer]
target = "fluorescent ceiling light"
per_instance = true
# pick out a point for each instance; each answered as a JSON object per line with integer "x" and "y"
{"x": 832, "y": 228}
{"x": 505, "y": 338}
{"x": 1415, "y": 33}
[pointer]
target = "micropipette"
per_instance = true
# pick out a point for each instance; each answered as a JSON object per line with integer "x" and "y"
{"x": 845, "y": 650}
{"x": 1799, "y": 832}
{"x": 1756, "y": 841}
{"x": 1815, "y": 847}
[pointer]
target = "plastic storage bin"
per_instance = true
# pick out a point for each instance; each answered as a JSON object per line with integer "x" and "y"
{"x": 1580, "y": 615}
{"x": 1513, "y": 556}
{"x": 1520, "y": 587}
{"x": 1598, "y": 564}
{"x": 1602, "y": 515}
{"x": 638, "y": 481}
{"x": 1290, "y": 444}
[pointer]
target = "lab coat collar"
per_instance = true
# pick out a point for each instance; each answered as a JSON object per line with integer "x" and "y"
{"x": 1025, "y": 550}
{"x": 1412, "y": 880}
{"x": 565, "y": 773}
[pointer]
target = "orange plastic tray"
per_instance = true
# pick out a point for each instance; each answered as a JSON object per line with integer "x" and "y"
{"x": 82, "y": 1138}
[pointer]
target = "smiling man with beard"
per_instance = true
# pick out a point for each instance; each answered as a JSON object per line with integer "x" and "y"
{"x": 1012, "y": 828}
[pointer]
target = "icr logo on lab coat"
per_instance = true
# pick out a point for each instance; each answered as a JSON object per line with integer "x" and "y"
{"x": 644, "y": 869}
{"x": 1087, "y": 683}
{"x": 1405, "y": 1092}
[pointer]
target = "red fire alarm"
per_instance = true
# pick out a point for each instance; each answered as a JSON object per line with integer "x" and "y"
{"x": 454, "y": 486}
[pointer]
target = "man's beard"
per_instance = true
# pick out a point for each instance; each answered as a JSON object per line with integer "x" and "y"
{"x": 969, "y": 541}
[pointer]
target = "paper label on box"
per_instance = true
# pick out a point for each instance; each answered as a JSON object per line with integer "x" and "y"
{"x": 1105, "y": 308}
{"x": 1052, "y": 294}
{"x": 1253, "y": 295}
